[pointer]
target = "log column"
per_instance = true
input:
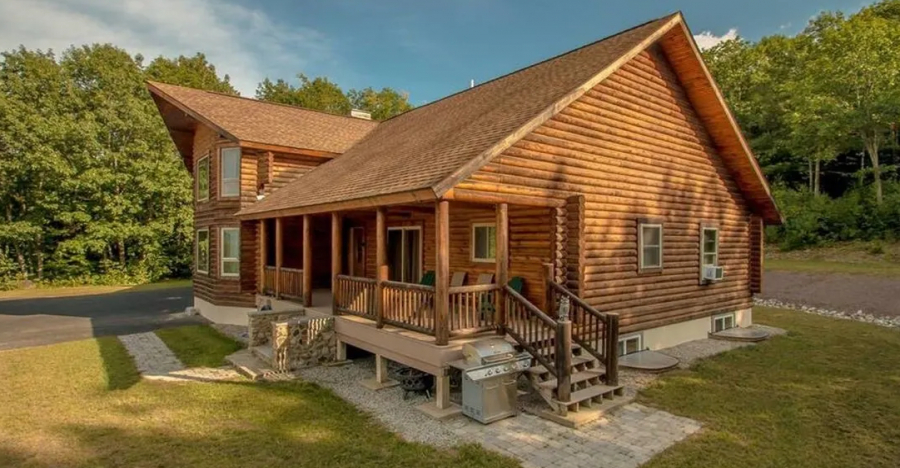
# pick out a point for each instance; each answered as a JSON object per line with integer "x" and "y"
{"x": 381, "y": 268}
{"x": 502, "y": 256}
{"x": 261, "y": 266}
{"x": 279, "y": 256}
{"x": 307, "y": 260}
{"x": 442, "y": 272}
{"x": 336, "y": 244}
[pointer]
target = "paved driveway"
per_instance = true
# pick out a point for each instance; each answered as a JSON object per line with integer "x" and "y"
{"x": 843, "y": 292}
{"x": 40, "y": 321}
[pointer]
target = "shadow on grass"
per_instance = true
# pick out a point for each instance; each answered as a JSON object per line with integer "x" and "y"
{"x": 121, "y": 373}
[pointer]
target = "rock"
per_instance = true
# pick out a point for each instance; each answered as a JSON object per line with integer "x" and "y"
{"x": 859, "y": 315}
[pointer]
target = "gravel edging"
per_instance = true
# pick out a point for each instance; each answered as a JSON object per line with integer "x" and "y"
{"x": 859, "y": 315}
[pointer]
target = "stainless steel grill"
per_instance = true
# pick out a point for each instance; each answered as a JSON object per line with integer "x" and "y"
{"x": 489, "y": 370}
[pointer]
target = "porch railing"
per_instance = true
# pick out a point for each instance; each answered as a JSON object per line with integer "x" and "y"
{"x": 473, "y": 309}
{"x": 268, "y": 281}
{"x": 409, "y": 306}
{"x": 596, "y": 332}
{"x": 291, "y": 283}
{"x": 354, "y": 296}
{"x": 534, "y": 330}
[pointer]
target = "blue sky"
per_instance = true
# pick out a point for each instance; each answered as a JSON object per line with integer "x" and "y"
{"x": 426, "y": 48}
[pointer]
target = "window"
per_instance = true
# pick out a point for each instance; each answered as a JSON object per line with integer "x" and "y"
{"x": 629, "y": 344}
{"x": 203, "y": 179}
{"x": 484, "y": 242}
{"x": 230, "y": 252}
{"x": 404, "y": 249}
{"x": 709, "y": 246}
{"x": 202, "y": 254}
{"x": 230, "y": 172}
{"x": 650, "y": 246}
{"x": 723, "y": 322}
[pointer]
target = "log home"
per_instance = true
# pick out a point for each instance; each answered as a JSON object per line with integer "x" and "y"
{"x": 612, "y": 179}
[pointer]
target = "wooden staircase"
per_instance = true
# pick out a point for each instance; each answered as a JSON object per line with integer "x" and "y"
{"x": 572, "y": 355}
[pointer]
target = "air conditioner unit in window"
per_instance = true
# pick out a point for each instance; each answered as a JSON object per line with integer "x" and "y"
{"x": 713, "y": 273}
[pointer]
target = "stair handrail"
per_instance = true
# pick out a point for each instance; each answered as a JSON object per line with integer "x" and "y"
{"x": 610, "y": 355}
{"x": 512, "y": 295}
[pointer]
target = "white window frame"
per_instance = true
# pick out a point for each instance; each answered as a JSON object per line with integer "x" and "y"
{"x": 722, "y": 317}
{"x": 703, "y": 252}
{"x": 223, "y": 259}
{"x": 641, "y": 227}
{"x": 202, "y": 197}
{"x": 620, "y": 347}
{"x": 420, "y": 247}
{"x": 197, "y": 251}
{"x": 474, "y": 240}
{"x": 222, "y": 178}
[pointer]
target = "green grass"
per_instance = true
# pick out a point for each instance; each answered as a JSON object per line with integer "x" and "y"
{"x": 80, "y": 404}
{"x": 825, "y": 395}
{"x": 858, "y": 258}
{"x": 198, "y": 345}
{"x": 827, "y": 266}
{"x": 71, "y": 291}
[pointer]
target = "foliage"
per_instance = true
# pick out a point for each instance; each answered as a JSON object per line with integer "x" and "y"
{"x": 198, "y": 345}
{"x": 324, "y": 95}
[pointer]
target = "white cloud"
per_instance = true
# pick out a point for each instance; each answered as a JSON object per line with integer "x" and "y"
{"x": 242, "y": 42}
{"x": 707, "y": 39}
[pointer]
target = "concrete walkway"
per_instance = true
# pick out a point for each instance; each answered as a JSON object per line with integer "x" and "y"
{"x": 155, "y": 361}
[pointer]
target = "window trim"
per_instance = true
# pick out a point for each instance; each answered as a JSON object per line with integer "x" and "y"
{"x": 718, "y": 317}
{"x": 221, "y": 180}
{"x": 474, "y": 239}
{"x": 200, "y": 161}
{"x": 703, "y": 253}
{"x": 222, "y": 257}
{"x": 640, "y": 341}
{"x": 644, "y": 223}
{"x": 421, "y": 246}
{"x": 197, "y": 250}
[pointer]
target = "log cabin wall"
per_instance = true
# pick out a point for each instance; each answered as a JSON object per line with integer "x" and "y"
{"x": 635, "y": 148}
{"x": 529, "y": 241}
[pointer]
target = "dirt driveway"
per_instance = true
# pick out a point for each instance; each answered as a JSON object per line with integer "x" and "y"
{"x": 847, "y": 293}
{"x": 40, "y": 321}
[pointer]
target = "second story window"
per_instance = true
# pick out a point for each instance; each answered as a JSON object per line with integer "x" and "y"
{"x": 203, "y": 178}
{"x": 230, "y": 172}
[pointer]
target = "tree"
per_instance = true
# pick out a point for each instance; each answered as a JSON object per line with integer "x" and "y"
{"x": 317, "y": 94}
{"x": 382, "y": 104}
{"x": 193, "y": 72}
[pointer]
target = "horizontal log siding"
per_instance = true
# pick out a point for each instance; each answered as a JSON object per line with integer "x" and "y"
{"x": 634, "y": 147}
{"x": 529, "y": 241}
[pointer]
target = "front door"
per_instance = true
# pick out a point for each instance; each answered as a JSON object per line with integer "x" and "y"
{"x": 356, "y": 261}
{"x": 404, "y": 249}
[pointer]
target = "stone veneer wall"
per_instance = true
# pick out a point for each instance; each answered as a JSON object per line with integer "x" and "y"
{"x": 303, "y": 342}
{"x": 260, "y": 324}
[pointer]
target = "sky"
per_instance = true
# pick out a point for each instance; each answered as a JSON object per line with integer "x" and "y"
{"x": 428, "y": 49}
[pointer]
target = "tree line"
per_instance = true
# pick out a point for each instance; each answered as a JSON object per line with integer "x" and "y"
{"x": 821, "y": 111}
{"x": 92, "y": 189}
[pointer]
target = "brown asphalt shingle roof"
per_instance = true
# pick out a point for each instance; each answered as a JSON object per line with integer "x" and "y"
{"x": 421, "y": 148}
{"x": 255, "y": 121}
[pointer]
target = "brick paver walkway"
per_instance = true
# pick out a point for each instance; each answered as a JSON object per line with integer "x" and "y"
{"x": 626, "y": 438}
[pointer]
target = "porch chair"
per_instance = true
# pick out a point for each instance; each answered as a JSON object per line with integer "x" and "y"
{"x": 458, "y": 279}
{"x": 517, "y": 283}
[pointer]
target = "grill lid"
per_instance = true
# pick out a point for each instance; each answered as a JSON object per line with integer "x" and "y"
{"x": 488, "y": 351}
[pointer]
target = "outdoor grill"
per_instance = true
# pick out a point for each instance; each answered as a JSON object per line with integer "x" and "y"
{"x": 489, "y": 371}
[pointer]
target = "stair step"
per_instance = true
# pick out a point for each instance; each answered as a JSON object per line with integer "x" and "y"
{"x": 576, "y": 360}
{"x": 246, "y": 363}
{"x": 576, "y": 378}
{"x": 264, "y": 352}
{"x": 590, "y": 393}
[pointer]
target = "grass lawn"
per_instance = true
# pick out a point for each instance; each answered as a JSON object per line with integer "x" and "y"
{"x": 866, "y": 258}
{"x": 71, "y": 291}
{"x": 81, "y": 404}
{"x": 198, "y": 345}
{"x": 825, "y": 395}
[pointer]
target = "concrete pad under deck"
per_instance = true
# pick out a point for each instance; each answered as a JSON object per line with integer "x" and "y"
{"x": 431, "y": 409}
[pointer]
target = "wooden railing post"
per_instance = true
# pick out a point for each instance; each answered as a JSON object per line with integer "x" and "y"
{"x": 261, "y": 267}
{"x": 380, "y": 265}
{"x": 612, "y": 349}
{"x": 547, "y": 273}
{"x": 279, "y": 255}
{"x": 307, "y": 260}
{"x": 336, "y": 245}
{"x": 502, "y": 256}
{"x": 563, "y": 359}
{"x": 442, "y": 272}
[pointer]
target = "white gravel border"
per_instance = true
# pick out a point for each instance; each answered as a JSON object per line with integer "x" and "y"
{"x": 859, "y": 315}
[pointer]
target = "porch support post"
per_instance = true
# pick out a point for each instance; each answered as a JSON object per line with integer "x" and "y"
{"x": 442, "y": 272}
{"x": 336, "y": 245}
{"x": 442, "y": 390}
{"x": 307, "y": 260}
{"x": 381, "y": 273}
{"x": 502, "y": 255}
{"x": 261, "y": 265}
{"x": 279, "y": 255}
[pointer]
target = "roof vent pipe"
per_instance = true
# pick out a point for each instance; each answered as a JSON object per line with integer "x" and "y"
{"x": 360, "y": 114}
